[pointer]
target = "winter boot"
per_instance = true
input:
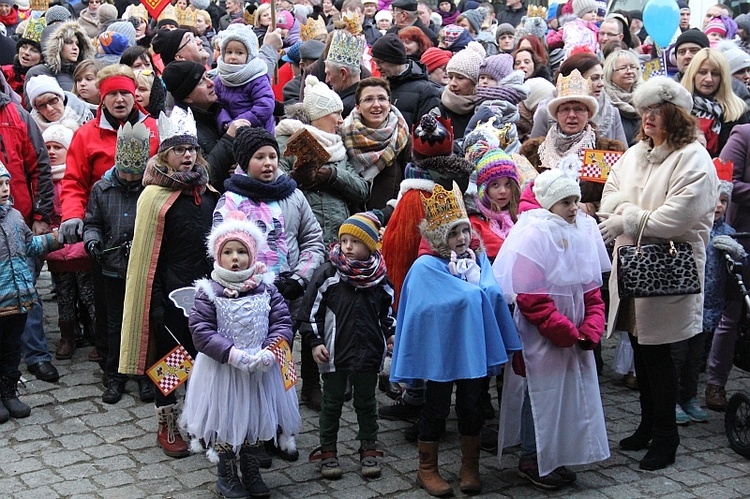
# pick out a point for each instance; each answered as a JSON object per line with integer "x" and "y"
{"x": 227, "y": 482}
{"x": 9, "y": 395}
{"x": 368, "y": 459}
{"x": 250, "y": 469}
{"x": 67, "y": 340}
{"x": 428, "y": 476}
{"x": 168, "y": 436}
{"x": 469, "y": 474}
{"x": 329, "y": 461}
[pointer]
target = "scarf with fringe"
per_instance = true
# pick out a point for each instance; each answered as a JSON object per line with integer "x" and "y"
{"x": 557, "y": 145}
{"x": 241, "y": 281}
{"x": 372, "y": 150}
{"x": 359, "y": 273}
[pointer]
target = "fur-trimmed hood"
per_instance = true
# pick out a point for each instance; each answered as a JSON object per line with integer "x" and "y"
{"x": 53, "y": 47}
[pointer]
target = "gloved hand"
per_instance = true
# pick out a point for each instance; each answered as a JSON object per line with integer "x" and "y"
{"x": 610, "y": 226}
{"x": 304, "y": 176}
{"x": 323, "y": 175}
{"x": 730, "y": 246}
{"x": 71, "y": 231}
{"x": 94, "y": 250}
{"x": 240, "y": 359}
{"x": 289, "y": 288}
{"x": 262, "y": 361}
{"x": 518, "y": 364}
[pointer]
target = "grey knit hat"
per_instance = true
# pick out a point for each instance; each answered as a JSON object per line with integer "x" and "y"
{"x": 467, "y": 61}
{"x": 57, "y": 13}
{"x": 581, "y": 7}
{"x": 475, "y": 18}
{"x": 124, "y": 28}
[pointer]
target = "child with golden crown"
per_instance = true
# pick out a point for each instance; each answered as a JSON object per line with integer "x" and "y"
{"x": 457, "y": 336}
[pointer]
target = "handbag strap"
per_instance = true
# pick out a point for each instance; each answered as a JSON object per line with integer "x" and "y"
{"x": 641, "y": 227}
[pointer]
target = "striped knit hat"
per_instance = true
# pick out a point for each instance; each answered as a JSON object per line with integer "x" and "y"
{"x": 365, "y": 226}
{"x": 493, "y": 165}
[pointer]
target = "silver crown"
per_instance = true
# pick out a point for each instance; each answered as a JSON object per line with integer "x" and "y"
{"x": 132, "y": 152}
{"x": 177, "y": 128}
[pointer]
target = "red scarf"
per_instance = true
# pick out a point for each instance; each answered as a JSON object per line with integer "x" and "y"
{"x": 11, "y": 19}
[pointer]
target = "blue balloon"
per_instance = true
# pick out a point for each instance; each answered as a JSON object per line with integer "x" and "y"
{"x": 661, "y": 19}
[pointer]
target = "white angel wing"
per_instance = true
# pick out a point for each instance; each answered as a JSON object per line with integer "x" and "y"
{"x": 184, "y": 298}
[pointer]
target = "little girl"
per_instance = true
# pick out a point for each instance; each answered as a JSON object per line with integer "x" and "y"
{"x": 243, "y": 86}
{"x": 236, "y": 396}
{"x": 552, "y": 261}
{"x": 457, "y": 336}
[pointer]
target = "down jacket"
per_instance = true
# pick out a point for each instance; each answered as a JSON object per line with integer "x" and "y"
{"x": 53, "y": 65}
{"x": 17, "y": 292}
{"x": 353, "y": 323}
{"x": 413, "y": 94}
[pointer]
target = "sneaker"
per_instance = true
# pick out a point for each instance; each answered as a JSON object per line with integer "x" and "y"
{"x": 681, "y": 416}
{"x": 695, "y": 411}
{"x": 527, "y": 468}
{"x": 400, "y": 410}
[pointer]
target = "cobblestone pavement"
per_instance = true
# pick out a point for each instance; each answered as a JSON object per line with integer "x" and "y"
{"x": 73, "y": 445}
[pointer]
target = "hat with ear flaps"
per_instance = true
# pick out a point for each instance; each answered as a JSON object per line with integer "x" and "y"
{"x": 443, "y": 211}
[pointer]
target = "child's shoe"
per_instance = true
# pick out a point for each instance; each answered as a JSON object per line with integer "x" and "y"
{"x": 428, "y": 476}
{"x": 528, "y": 469}
{"x": 9, "y": 395}
{"x": 695, "y": 411}
{"x": 469, "y": 473}
{"x": 329, "y": 461}
{"x": 228, "y": 483}
{"x": 567, "y": 475}
{"x": 368, "y": 459}
{"x": 681, "y": 416}
{"x": 252, "y": 481}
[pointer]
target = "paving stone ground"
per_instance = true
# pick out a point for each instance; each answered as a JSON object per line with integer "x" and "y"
{"x": 73, "y": 445}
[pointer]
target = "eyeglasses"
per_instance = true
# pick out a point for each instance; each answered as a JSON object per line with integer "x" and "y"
{"x": 371, "y": 100}
{"x": 182, "y": 150}
{"x": 654, "y": 111}
{"x": 565, "y": 110}
{"x": 191, "y": 39}
{"x": 629, "y": 67}
{"x": 50, "y": 103}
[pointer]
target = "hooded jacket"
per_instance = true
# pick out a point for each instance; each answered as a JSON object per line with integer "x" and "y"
{"x": 53, "y": 65}
{"x": 412, "y": 93}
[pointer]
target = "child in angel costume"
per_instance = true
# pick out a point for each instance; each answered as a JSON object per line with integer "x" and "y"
{"x": 236, "y": 397}
{"x": 456, "y": 336}
{"x": 552, "y": 263}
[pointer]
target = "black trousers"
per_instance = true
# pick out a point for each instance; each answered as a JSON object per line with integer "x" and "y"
{"x": 437, "y": 406}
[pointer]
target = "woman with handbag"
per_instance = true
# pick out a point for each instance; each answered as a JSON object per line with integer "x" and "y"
{"x": 664, "y": 187}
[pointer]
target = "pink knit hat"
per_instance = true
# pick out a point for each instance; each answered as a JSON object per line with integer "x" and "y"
{"x": 716, "y": 25}
{"x": 235, "y": 227}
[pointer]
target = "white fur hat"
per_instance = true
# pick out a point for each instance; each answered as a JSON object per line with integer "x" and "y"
{"x": 662, "y": 89}
{"x": 58, "y": 133}
{"x": 553, "y": 185}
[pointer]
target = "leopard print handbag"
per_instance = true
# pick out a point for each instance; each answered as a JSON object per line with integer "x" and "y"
{"x": 660, "y": 269}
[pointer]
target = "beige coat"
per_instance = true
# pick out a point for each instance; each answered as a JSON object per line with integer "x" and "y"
{"x": 679, "y": 189}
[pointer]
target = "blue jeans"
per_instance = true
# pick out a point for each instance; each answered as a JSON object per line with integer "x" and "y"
{"x": 33, "y": 339}
{"x": 528, "y": 436}
{"x": 414, "y": 393}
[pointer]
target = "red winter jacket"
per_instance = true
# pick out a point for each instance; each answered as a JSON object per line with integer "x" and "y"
{"x": 90, "y": 155}
{"x": 24, "y": 154}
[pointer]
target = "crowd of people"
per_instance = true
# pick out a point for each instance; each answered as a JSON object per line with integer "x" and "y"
{"x": 313, "y": 171}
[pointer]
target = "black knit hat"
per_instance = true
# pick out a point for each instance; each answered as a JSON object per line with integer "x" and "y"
{"x": 166, "y": 43}
{"x": 249, "y": 139}
{"x": 181, "y": 77}
{"x": 693, "y": 35}
{"x": 389, "y": 48}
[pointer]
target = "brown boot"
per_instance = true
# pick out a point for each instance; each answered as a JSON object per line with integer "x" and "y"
{"x": 168, "y": 436}
{"x": 469, "y": 474}
{"x": 67, "y": 340}
{"x": 716, "y": 398}
{"x": 428, "y": 476}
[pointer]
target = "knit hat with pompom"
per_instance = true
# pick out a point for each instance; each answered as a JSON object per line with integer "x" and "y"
{"x": 320, "y": 100}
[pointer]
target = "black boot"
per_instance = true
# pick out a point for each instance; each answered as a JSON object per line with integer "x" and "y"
{"x": 115, "y": 388}
{"x": 228, "y": 483}
{"x": 638, "y": 440}
{"x": 661, "y": 453}
{"x": 250, "y": 469}
{"x": 145, "y": 389}
{"x": 9, "y": 395}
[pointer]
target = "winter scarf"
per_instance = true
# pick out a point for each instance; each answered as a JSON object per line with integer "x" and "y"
{"x": 500, "y": 221}
{"x": 330, "y": 141}
{"x": 459, "y": 104}
{"x": 450, "y": 16}
{"x": 11, "y": 19}
{"x": 705, "y": 108}
{"x": 359, "y": 273}
{"x": 193, "y": 181}
{"x": 58, "y": 172}
{"x": 557, "y": 145}
{"x": 241, "y": 183}
{"x": 241, "y": 281}
{"x": 510, "y": 89}
{"x": 76, "y": 114}
{"x": 236, "y": 75}
{"x": 621, "y": 99}
{"x": 371, "y": 150}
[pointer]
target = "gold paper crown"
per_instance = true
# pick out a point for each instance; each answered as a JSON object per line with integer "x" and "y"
{"x": 575, "y": 84}
{"x": 34, "y": 29}
{"x": 186, "y": 17}
{"x": 353, "y": 25}
{"x": 312, "y": 29}
{"x": 536, "y": 11}
{"x": 167, "y": 13}
{"x": 443, "y": 206}
{"x": 138, "y": 11}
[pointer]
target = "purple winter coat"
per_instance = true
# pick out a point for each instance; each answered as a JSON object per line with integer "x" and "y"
{"x": 253, "y": 101}
{"x": 202, "y": 320}
{"x": 736, "y": 151}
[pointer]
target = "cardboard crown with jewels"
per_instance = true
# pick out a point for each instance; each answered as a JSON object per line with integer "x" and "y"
{"x": 132, "y": 151}
{"x": 346, "y": 48}
{"x": 34, "y": 29}
{"x": 443, "y": 206}
{"x": 177, "y": 128}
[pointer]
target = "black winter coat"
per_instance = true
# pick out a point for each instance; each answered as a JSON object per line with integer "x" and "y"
{"x": 413, "y": 94}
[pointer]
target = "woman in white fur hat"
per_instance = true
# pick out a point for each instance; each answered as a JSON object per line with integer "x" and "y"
{"x": 666, "y": 182}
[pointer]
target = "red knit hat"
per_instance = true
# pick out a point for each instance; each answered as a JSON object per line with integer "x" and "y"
{"x": 432, "y": 136}
{"x": 435, "y": 58}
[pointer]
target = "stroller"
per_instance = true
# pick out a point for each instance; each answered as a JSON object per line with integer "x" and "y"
{"x": 737, "y": 417}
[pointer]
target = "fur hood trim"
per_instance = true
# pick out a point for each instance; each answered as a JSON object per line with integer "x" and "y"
{"x": 613, "y": 203}
{"x": 438, "y": 238}
{"x": 67, "y": 31}
{"x": 447, "y": 164}
{"x": 415, "y": 184}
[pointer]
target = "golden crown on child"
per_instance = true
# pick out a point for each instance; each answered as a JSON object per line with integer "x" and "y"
{"x": 575, "y": 84}
{"x": 443, "y": 206}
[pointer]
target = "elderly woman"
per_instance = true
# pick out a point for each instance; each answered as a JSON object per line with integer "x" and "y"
{"x": 607, "y": 119}
{"x": 28, "y": 55}
{"x": 67, "y": 46}
{"x": 458, "y": 100}
{"x": 376, "y": 138}
{"x": 666, "y": 186}
{"x": 572, "y": 108}
{"x": 51, "y": 105}
{"x": 717, "y": 108}
{"x": 622, "y": 76}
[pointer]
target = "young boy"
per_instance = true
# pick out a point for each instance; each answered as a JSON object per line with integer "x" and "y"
{"x": 16, "y": 294}
{"x": 346, "y": 317}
